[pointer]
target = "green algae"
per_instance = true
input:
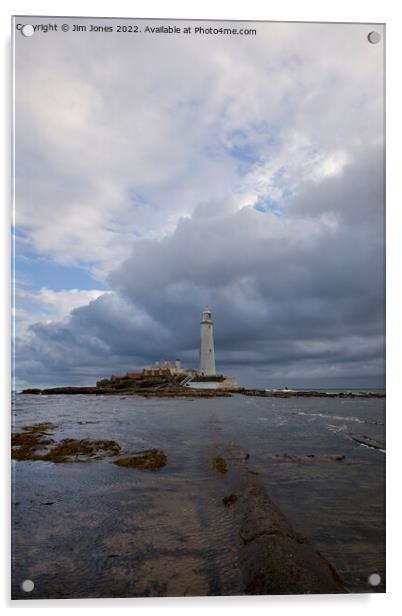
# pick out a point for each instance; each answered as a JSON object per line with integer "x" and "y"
{"x": 72, "y": 450}
{"x": 219, "y": 465}
{"x": 34, "y": 443}
{"x": 151, "y": 460}
{"x": 26, "y": 445}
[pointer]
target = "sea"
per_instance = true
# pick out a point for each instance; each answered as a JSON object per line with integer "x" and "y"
{"x": 95, "y": 529}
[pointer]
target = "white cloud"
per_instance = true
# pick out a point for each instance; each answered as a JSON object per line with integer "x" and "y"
{"x": 48, "y": 306}
{"x": 123, "y": 137}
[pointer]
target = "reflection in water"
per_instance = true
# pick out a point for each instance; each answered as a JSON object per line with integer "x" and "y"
{"x": 99, "y": 530}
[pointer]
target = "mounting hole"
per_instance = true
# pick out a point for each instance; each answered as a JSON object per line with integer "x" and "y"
{"x": 27, "y": 585}
{"x": 27, "y": 30}
{"x": 374, "y": 579}
{"x": 374, "y": 37}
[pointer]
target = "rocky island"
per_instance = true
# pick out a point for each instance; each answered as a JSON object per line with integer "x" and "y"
{"x": 168, "y": 387}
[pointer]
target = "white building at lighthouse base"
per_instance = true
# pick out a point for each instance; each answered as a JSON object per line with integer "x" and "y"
{"x": 228, "y": 383}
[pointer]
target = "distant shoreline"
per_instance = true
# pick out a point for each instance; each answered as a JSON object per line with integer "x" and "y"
{"x": 184, "y": 392}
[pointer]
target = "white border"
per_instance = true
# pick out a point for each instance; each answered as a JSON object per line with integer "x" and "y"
{"x": 386, "y": 11}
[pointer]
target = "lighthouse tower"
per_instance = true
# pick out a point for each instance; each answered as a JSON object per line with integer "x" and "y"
{"x": 207, "y": 352}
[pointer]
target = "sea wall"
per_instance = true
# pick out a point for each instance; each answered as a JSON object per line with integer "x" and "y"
{"x": 228, "y": 383}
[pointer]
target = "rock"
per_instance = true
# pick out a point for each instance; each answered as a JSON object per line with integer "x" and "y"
{"x": 230, "y": 500}
{"x": 326, "y": 457}
{"x": 307, "y": 394}
{"x": 369, "y": 442}
{"x": 274, "y": 558}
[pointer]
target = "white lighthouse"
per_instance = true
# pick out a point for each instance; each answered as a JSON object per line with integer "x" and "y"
{"x": 207, "y": 352}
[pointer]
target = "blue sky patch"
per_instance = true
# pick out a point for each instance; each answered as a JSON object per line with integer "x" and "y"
{"x": 269, "y": 205}
{"x": 39, "y": 272}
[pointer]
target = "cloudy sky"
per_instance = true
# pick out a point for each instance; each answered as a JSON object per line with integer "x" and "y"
{"x": 156, "y": 174}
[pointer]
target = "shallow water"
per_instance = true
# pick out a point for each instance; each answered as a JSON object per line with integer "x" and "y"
{"x": 98, "y": 530}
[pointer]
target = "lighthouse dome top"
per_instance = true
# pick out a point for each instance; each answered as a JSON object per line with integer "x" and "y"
{"x": 206, "y": 314}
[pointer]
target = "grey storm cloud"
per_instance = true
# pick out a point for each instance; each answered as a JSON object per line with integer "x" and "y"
{"x": 314, "y": 274}
{"x": 297, "y": 294}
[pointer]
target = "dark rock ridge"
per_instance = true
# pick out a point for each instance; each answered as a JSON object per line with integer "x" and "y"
{"x": 174, "y": 390}
{"x": 274, "y": 558}
{"x": 308, "y": 457}
{"x": 369, "y": 442}
{"x": 308, "y": 394}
